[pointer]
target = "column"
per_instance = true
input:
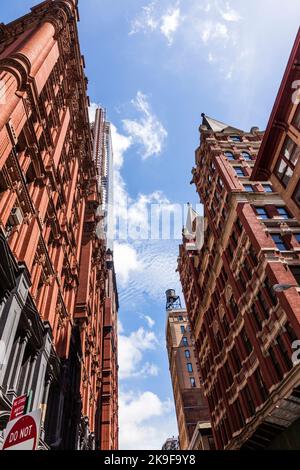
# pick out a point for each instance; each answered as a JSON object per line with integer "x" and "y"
{"x": 10, "y": 318}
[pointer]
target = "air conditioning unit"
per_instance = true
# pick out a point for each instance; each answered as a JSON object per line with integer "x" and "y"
{"x": 16, "y": 216}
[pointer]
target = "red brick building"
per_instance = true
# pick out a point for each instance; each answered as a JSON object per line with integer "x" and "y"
{"x": 57, "y": 297}
{"x": 244, "y": 330}
{"x": 278, "y": 158}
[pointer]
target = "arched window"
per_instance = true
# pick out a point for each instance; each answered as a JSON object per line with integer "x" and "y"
{"x": 229, "y": 156}
{"x": 246, "y": 156}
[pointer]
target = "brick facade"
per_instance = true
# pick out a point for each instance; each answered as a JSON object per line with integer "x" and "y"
{"x": 243, "y": 330}
{"x": 49, "y": 199}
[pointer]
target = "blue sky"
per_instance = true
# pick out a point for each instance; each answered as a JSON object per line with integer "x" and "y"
{"x": 156, "y": 66}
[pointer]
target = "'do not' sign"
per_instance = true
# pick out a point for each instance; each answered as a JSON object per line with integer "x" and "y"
{"x": 23, "y": 433}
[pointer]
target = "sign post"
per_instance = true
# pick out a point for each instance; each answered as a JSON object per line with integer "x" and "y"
{"x": 23, "y": 433}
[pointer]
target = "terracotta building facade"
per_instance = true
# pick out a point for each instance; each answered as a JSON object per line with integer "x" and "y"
{"x": 244, "y": 329}
{"x": 57, "y": 292}
{"x": 190, "y": 403}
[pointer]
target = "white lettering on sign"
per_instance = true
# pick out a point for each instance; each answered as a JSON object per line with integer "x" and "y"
{"x": 25, "y": 432}
{"x": 13, "y": 437}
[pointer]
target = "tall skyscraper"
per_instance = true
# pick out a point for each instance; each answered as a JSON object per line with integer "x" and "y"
{"x": 191, "y": 406}
{"x": 244, "y": 329}
{"x": 103, "y": 156}
{"x": 55, "y": 277}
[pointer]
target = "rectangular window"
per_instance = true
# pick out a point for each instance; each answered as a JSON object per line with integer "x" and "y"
{"x": 296, "y": 194}
{"x": 296, "y": 119}
{"x": 228, "y": 374}
{"x": 257, "y": 318}
{"x": 187, "y": 353}
{"x": 290, "y": 332}
{"x": 249, "y": 400}
{"x": 283, "y": 213}
{"x": 272, "y": 295}
{"x": 284, "y": 353}
{"x": 180, "y": 318}
{"x": 190, "y": 367}
{"x": 287, "y": 161}
{"x": 234, "y": 307}
{"x": 261, "y": 385}
{"x": 185, "y": 341}
{"x": 253, "y": 256}
{"x": 263, "y": 305}
{"x": 246, "y": 341}
{"x": 236, "y": 359}
{"x": 262, "y": 213}
{"x": 239, "y": 171}
{"x": 296, "y": 273}
{"x": 240, "y": 415}
{"x": 279, "y": 242}
{"x": 236, "y": 138}
{"x": 182, "y": 329}
{"x": 193, "y": 382}
{"x": 267, "y": 188}
{"x": 276, "y": 364}
{"x": 249, "y": 188}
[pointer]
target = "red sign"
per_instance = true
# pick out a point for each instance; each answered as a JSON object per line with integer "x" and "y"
{"x": 18, "y": 407}
{"x": 23, "y": 433}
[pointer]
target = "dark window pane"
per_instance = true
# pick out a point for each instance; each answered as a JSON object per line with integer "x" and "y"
{"x": 296, "y": 120}
{"x": 296, "y": 195}
{"x": 246, "y": 156}
{"x": 236, "y": 138}
{"x": 283, "y": 212}
{"x": 229, "y": 155}
{"x": 262, "y": 213}
{"x": 187, "y": 354}
{"x": 239, "y": 171}
{"x": 279, "y": 242}
{"x": 296, "y": 273}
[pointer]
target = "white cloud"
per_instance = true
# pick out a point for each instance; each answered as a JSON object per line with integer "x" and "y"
{"x": 150, "y": 322}
{"x": 131, "y": 350}
{"x": 126, "y": 261}
{"x": 145, "y": 421}
{"x": 159, "y": 261}
{"x": 148, "y": 132}
{"x": 170, "y": 23}
{"x": 145, "y": 21}
{"x": 121, "y": 144}
{"x": 154, "y": 18}
{"x": 229, "y": 14}
{"x": 214, "y": 30}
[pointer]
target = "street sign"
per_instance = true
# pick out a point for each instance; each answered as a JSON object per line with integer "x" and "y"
{"x": 23, "y": 433}
{"x": 18, "y": 408}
